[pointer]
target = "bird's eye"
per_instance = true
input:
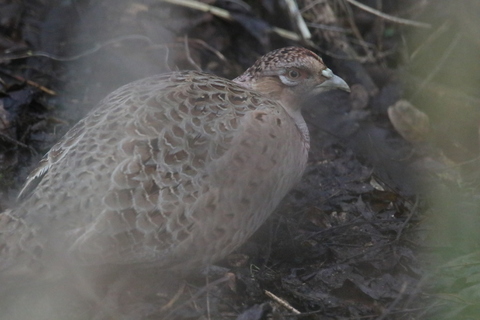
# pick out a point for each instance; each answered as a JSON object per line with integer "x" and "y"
{"x": 293, "y": 74}
{"x": 293, "y": 77}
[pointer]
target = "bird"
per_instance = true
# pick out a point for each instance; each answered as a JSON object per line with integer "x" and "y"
{"x": 174, "y": 171}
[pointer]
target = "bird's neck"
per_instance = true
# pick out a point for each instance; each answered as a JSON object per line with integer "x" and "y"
{"x": 245, "y": 80}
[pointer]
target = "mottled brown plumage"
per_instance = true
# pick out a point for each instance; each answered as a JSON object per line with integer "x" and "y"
{"x": 173, "y": 171}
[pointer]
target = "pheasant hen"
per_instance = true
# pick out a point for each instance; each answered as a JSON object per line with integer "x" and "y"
{"x": 173, "y": 171}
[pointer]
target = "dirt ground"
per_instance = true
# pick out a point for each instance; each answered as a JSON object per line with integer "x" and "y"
{"x": 384, "y": 224}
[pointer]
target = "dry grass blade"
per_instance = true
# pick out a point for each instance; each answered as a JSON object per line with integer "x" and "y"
{"x": 282, "y": 302}
{"x": 389, "y": 17}
{"x": 446, "y": 54}
{"x": 298, "y": 19}
{"x": 224, "y": 14}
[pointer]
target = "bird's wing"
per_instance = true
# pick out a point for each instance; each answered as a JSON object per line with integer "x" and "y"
{"x": 210, "y": 152}
{"x": 55, "y": 154}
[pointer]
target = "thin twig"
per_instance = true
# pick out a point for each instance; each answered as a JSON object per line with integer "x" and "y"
{"x": 18, "y": 143}
{"x": 311, "y": 5}
{"x": 94, "y": 49}
{"x": 211, "y": 49}
{"x": 327, "y": 27}
{"x": 437, "y": 33}
{"x": 388, "y": 311}
{"x": 409, "y": 217}
{"x": 196, "y": 295}
{"x": 282, "y": 302}
{"x": 297, "y": 18}
{"x": 389, "y": 17}
{"x": 187, "y": 53}
{"x": 357, "y": 32}
{"x": 438, "y": 65}
{"x": 30, "y": 83}
{"x": 174, "y": 299}
{"x": 242, "y": 4}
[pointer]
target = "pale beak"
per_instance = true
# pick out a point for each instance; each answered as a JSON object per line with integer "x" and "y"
{"x": 334, "y": 82}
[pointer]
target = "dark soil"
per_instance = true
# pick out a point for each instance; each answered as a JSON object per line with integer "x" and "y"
{"x": 353, "y": 240}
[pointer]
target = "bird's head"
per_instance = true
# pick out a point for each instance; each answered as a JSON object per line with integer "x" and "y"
{"x": 290, "y": 75}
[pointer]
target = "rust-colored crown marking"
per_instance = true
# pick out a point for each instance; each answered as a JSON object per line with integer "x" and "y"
{"x": 173, "y": 171}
